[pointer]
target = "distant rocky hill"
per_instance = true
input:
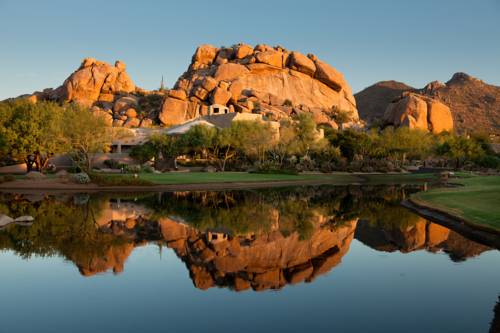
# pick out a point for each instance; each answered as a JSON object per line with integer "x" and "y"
{"x": 474, "y": 104}
{"x": 373, "y": 101}
{"x": 268, "y": 80}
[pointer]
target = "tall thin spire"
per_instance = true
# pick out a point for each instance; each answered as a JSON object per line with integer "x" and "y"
{"x": 162, "y": 87}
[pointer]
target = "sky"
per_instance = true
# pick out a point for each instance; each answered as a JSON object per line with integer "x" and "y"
{"x": 43, "y": 42}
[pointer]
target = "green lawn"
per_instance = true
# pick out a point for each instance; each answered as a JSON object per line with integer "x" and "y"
{"x": 341, "y": 178}
{"x": 232, "y": 177}
{"x": 478, "y": 201}
{"x": 404, "y": 178}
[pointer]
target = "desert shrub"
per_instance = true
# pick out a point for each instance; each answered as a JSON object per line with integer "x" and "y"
{"x": 133, "y": 168}
{"x": 147, "y": 169}
{"x": 74, "y": 169}
{"x": 81, "y": 178}
{"x": 489, "y": 161}
{"x": 112, "y": 164}
{"x": 287, "y": 103}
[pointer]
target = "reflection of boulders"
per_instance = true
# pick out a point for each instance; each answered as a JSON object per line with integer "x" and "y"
{"x": 114, "y": 258}
{"x": 495, "y": 323}
{"x": 127, "y": 225}
{"x": 460, "y": 248}
{"x": 421, "y": 234}
{"x": 262, "y": 261}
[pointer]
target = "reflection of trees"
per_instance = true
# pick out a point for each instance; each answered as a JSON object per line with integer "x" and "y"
{"x": 98, "y": 233}
{"x": 240, "y": 212}
{"x": 63, "y": 226}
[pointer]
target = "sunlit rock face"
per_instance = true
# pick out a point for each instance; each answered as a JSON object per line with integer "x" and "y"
{"x": 419, "y": 112}
{"x": 113, "y": 259}
{"x": 258, "y": 261}
{"x": 418, "y": 235}
{"x": 108, "y": 91}
{"x": 262, "y": 79}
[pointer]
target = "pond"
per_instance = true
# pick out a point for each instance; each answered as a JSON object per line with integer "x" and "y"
{"x": 315, "y": 259}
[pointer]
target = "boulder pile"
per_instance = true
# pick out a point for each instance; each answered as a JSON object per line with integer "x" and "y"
{"x": 419, "y": 111}
{"x": 271, "y": 81}
{"x": 262, "y": 79}
{"x": 108, "y": 91}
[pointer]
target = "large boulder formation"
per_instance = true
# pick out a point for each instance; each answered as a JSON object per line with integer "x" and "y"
{"x": 268, "y": 80}
{"x": 373, "y": 101}
{"x": 474, "y": 104}
{"x": 268, "y": 260}
{"x": 420, "y": 234}
{"x": 419, "y": 112}
{"x": 96, "y": 81}
{"x": 109, "y": 92}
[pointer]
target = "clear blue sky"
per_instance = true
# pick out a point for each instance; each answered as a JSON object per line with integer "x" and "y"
{"x": 42, "y": 42}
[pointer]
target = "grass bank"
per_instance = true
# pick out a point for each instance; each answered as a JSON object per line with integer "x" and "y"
{"x": 477, "y": 201}
{"x": 171, "y": 178}
{"x": 186, "y": 181}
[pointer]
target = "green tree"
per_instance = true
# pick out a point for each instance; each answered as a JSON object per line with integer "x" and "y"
{"x": 252, "y": 138}
{"x": 86, "y": 134}
{"x": 404, "y": 143}
{"x": 199, "y": 139}
{"x": 166, "y": 148}
{"x": 286, "y": 144}
{"x": 352, "y": 143}
{"x": 143, "y": 153}
{"x": 225, "y": 145}
{"x": 459, "y": 149}
{"x": 31, "y": 133}
{"x": 341, "y": 116}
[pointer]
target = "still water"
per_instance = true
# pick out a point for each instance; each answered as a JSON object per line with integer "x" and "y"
{"x": 307, "y": 259}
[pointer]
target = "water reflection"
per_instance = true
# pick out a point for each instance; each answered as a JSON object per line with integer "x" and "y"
{"x": 241, "y": 240}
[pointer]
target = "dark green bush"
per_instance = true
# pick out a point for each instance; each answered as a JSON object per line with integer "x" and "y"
{"x": 489, "y": 161}
{"x": 112, "y": 164}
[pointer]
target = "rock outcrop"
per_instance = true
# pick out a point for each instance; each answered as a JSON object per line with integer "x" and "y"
{"x": 419, "y": 112}
{"x": 268, "y": 80}
{"x": 109, "y": 92}
{"x": 96, "y": 81}
{"x": 372, "y": 101}
{"x": 474, "y": 104}
{"x": 262, "y": 261}
{"x": 419, "y": 235}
